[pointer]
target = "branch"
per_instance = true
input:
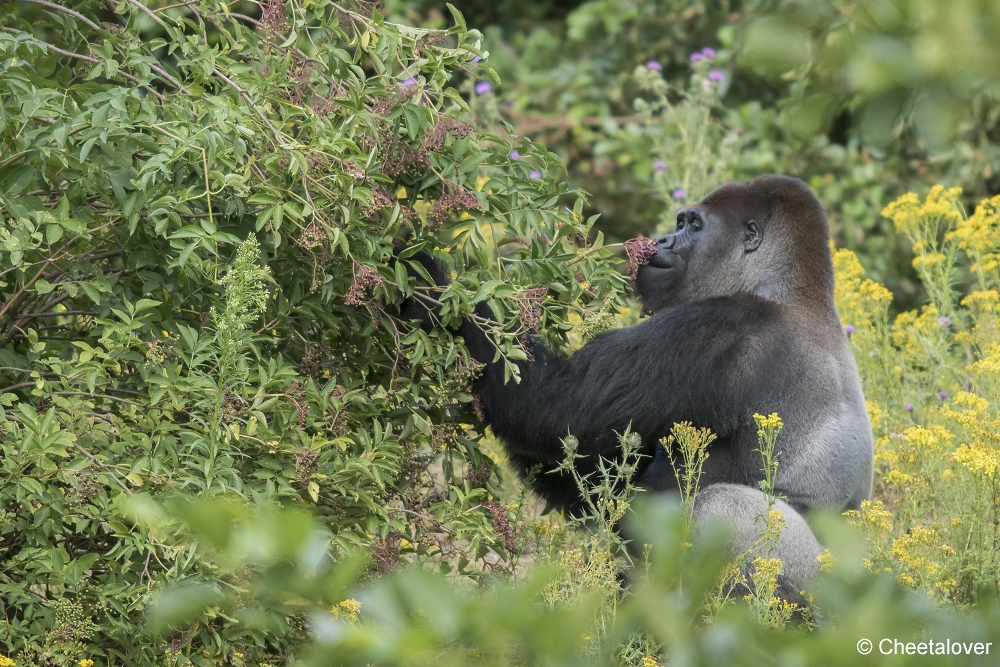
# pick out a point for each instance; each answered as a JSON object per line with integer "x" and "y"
{"x": 60, "y": 313}
{"x": 106, "y": 468}
{"x": 70, "y": 54}
{"x": 65, "y": 10}
{"x": 246, "y": 96}
{"x": 103, "y": 396}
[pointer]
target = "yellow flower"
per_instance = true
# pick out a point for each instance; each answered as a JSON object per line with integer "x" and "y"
{"x": 348, "y": 609}
{"x": 771, "y": 421}
{"x": 86, "y": 663}
{"x": 872, "y": 515}
{"x": 978, "y": 459}
{"x": 826, "y": 561}
{"x": 650, "y": 662}
{"x": 6, "y": 662}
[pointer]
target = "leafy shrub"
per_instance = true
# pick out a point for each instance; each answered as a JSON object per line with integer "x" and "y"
{"x": 198, "y": 297}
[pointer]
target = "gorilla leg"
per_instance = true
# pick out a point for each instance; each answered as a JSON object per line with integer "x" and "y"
{"x": 739, "y": 506}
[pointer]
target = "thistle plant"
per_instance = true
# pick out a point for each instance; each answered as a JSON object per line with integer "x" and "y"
{"x": 693, "y": 150}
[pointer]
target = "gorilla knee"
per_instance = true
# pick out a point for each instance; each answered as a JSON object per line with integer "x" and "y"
{"x": 743, "y": 508}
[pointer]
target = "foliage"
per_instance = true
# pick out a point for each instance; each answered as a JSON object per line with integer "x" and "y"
{"x": 219, "y": 441}
{"x": 572, "y": 84}
{"x": 198, "y": 295}
{"x": 929, "y": 60}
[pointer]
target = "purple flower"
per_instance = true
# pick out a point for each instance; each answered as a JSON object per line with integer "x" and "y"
{"x": 716, "y": 75}
{"x": 944, "y": 321}
{"x": 659, "y": 165}
{"x": 409, "y": 82}
{"x": 476, "y": 59}
{"x": 655, "y": 66}
{"x": 909, "y": 407}
{"x": 708, "y": 52}
{"x": 695, "y": 57}
{"x": 942, "y": 395}
{"x": 850, "y": 328}
{"x": 514, "y": 155}
{"x": 483, "y": 87}
{"x": 534, "y": 173}
{"x": 679, "y": 193}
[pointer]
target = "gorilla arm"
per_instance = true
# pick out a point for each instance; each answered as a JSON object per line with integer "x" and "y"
{"x": 693, "y": 362}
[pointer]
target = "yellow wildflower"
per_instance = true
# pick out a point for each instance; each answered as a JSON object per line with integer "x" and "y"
{"x": 826, "y": 561}
{"x": 347, "y": 609}
{"x": 86, "y": 662}
{"x": 978, "y": 459}
{"x": 771, "y": 421}
{"x": 649, "y": 661}
{"x": 6, "y": 662}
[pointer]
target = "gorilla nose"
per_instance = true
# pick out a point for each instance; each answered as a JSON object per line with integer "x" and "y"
{"x": 665, "y": 241}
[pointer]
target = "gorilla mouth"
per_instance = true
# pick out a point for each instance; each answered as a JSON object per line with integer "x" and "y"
{"x": 661, "y": 260}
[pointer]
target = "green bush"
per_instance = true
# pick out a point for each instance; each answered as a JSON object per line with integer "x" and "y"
{"x": 198, "y": 298}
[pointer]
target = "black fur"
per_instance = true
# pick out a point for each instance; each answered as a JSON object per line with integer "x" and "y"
{"x": 743, "y": 321}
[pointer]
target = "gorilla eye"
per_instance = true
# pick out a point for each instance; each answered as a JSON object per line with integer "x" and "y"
{"x": 695, "y": 224}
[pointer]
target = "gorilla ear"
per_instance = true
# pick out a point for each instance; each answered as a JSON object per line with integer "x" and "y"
{"x": 752, "y": 236}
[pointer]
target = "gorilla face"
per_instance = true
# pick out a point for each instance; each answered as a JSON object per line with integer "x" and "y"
{"x": 704, "y": 257}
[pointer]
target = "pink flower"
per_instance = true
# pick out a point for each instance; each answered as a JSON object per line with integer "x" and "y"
{"x": 409, "y": 82}
{"x": 514, "y": 155}
{"x": 654, "y": 66}
{"x": 483, "y": 87}
{"x": 942, "y": 395}
{"x": 659, "y": 165}
{"x": 639, "y": 250}
{"x": 909, "y": 407}
{"x": 534, "y": 173}
{"x": 716, "y": 75}
{"x": 695, "y": 57}
{"x": 849, "y": 328}
{"x": 679, "y": 193}
{"x": 708, "y": 52}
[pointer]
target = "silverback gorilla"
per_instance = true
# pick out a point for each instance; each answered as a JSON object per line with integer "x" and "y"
{"x": 742, "y": 321}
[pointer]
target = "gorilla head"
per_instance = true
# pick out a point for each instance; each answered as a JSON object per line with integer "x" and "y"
{"x": 766, "y": 238}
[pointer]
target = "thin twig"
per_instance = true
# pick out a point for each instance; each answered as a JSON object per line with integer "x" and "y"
{"x": 109, "y": 471}
{"x": 70, "y": 54}
{"x": 246, "y": 96}
{"x": 106, "y": 396}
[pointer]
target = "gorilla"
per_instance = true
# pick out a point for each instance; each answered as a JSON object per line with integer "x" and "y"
{"x": 742, "y": 321}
